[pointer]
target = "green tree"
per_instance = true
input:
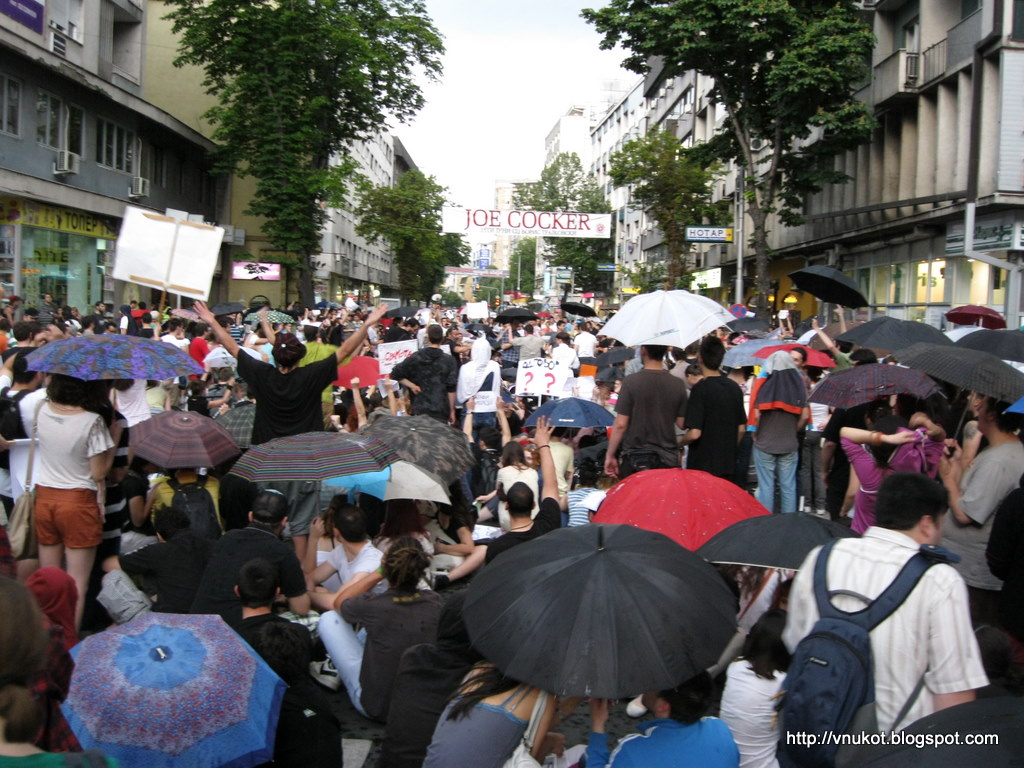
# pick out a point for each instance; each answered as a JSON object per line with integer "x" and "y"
{"x": 522, "y": 264}
{"x": 785, "y": 71}
{"x": 673, "y": 187}
{"x": 296, "y": 82}
{"x": 407, "y": 217}
{"x": 565, "y": 186}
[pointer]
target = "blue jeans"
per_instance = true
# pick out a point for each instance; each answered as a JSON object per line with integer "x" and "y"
{"x": 345, "y": 647}
{"x": 772, "y": 466}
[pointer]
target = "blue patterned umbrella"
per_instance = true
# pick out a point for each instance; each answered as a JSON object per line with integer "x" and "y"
{"x": 112, "y": 357}
{"x": 572, "y": 412}
{"x": 169, "y": 690}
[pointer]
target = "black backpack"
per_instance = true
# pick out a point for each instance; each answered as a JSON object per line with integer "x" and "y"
{"x": 485, "y": 476}
{"x": 11, "y": 427}
{"x": 830, "y": 687}
{"x": 195, "y": 501}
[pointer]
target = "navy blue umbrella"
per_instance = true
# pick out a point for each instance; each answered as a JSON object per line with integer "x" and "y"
{"x": 572, "y": 412}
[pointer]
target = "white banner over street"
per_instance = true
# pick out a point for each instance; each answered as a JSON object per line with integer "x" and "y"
{"x": 478, "y": 222}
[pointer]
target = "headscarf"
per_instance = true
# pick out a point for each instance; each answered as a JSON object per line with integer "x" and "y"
{"x": 473, "y": 373}
{"x": 781, "y": 387}
{"x": 57, "y": 595}
{"x": 133, "y": 324}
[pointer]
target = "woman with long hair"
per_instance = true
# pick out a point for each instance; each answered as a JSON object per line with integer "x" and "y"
{"x": 514, "y": 469}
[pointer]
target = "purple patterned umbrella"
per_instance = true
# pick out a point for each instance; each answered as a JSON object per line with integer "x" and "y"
{"x": 113, "y": 357}
{"x": 174, "y": 691}
{"x": 175, "y": 440}
{"x": 865, "y": 383}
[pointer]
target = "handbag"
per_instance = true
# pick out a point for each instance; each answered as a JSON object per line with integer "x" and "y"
{"x": 521, "y": 757}
{"x": 21, "y": 527}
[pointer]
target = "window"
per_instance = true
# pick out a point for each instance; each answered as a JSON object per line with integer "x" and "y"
{"x": 1017, "y": 29}
{"x": 115, "y": 146}
{"x": 10, "y": 105}
{"x": 58, "y": 124}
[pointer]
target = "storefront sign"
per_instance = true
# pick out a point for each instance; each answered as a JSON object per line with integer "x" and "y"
{"x": 991, "y": 233}
{"x": 256, "y": 270}
{"x": 708, "y": 278}
{"x": 487, "y": 221}
{"x": 32, "y": 214}
{"x": 26, "y": 12}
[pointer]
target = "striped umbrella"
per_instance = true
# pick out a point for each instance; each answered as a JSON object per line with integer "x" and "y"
{"x": 273, "y": 316}
{"x": 175, "y": 440}
{"x": 314, "y": 456}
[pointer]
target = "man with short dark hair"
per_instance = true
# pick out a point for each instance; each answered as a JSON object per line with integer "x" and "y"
{"x": 352, "y": 560}
{"x": 651, "y": 404}
{"x": 431, "y": 374}
{"x": 262, "y": 538}
{"x": 715, "y": 419}
{"x": 929, "y": 637}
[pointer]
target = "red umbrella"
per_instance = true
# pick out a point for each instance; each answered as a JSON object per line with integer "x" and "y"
{"x": 686, "y": 505}
{"x": 972, "y": 314}
{"x": 366, "y": 369}
{"x": 814, "y": 357}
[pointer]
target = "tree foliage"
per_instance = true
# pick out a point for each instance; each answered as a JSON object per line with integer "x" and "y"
{"x": 522, "y": 264}
{"x": 673, "y": 187}
{"x": 407, "y": 217}
{"x": 785, "y": 71}
{"x": 296, "y": 81}
{"x": 565, "y": 186}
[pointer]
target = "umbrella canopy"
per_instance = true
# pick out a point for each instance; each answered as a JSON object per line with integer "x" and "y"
{"x": 748, "y": 324}
{"x": 184, "y": 314}
{"x": 173, "y": 690}
{"x": 998, "y": 717}
{"x": 176, "y": 440}
{"x": 971, "y": 314}
{"x": 966, "y": 368}
{"x": 814, "y": 357}
{"x": 865, "y": 383}
{"x": 113, "y": 357}
{"x": 366, "y": 369}
{"x": 673, "y": 318}
{"x": 406, "y": 311}
{"x": 686, "y": 505}
{"x": 829, "y": 284}
{"x": 956, "y": 334}
{"x": 219, "y": 358}
{"x": 578, "y": 309}
{"x": 409, "y": 481}
{"x": 428, "y": 443}
{"x": 238, "y": 422}
{"x": 273, "y": 316}
{"x": 888, "y": 333}
{"x": 600, "y": 610}
{"x": 572, "y": 412}
{"x": 327, "y": 305}
{"x": 1006, "y": 345}
{"x": 743, "y": 354}
{"x": 515, "y": 313}
{"x": 614, "y": 356}
{"x": 772, "y": 541}
{"x": 227, "y": 308}
{"x": 314, "y": 456}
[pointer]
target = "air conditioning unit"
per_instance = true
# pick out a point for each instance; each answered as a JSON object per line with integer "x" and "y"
{"x": 139, "y": 188}
{"x": 757, "y": 145}
{"x": 67, "y": 162}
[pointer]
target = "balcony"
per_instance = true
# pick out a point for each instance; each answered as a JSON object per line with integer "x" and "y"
{"x": 962, "y": 40}
{"x": 933, "y": 62}
{"x": 896, "y": 78}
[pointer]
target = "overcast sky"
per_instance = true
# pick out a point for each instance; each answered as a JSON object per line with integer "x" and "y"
{"x": 511, "y": 68}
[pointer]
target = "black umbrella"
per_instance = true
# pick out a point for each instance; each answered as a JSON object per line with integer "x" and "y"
{"x": 402, "y": 312}
{"x": 515, "y": 313}
{"x": 747, "y": 324}
{"x": 829, "y": 284}
{"x": 996, "y": 722}
{"x": 864, "y": 383}
{"x": 600, "y": 610}
{"x": 478, "y": 328}
{"x": 888, "y": 333}
{"x": 966, "y": 368}
{"x": 1006, "y": 345}
{"x": 614, "y": 356}
{"x": 772, "y": 541}
{"x": 227, "y": 308}
{"x": 578, "y": 309}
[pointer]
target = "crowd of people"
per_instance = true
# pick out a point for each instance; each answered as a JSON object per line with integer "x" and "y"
{"x": 342, "y": 592}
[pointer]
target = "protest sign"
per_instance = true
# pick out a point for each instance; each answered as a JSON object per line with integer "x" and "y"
{"x": 391, "y": 354}
{"x": 541, "y": 376}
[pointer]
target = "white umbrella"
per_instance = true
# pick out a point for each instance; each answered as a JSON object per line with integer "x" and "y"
{"x": 672, "y": 318}
{"x": 409, "y": 481}
{"x": 964, "y": 330}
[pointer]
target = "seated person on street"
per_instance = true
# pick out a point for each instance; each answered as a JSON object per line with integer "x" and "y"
{"x": 257, "y": 589}
{"x": 353, "y": 560}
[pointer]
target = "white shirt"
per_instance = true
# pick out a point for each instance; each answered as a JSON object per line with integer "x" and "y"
{"x": 586, "y": 344}
{"x": 367, "y": 560}
{"x": 930, "y": 634}
{"x": 181, "y": 343}
{"x": 565, "y": 355}
{"x": 748, "y": 708}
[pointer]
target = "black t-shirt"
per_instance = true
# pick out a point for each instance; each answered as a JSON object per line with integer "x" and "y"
{"x": 174, "y": 568}
{"x": 230, "y": 552}
{"x": 716, "y": 409}
{"x": 548, "y": 519}
{"x": 308, "y": 731}
{"x": 286, "y": 403}
{"x": 133, "y": 486}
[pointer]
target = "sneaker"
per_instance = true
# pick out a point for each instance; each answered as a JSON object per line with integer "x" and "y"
{"x": 820, "y": 512}
{"x": 325, "y": 674}
{"x": 636, "y": 707}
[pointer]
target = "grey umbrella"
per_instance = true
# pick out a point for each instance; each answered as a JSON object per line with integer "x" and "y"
{"x": 888, "y": 333}
{"x": 1006, "y": 345}
{"x": 430, "y": 444}
{"x": 967, "y": 368}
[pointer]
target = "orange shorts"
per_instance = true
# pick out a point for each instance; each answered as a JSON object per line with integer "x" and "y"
{"x": 68, "y": 516}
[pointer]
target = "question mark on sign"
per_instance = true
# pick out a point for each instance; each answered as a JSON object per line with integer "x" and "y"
{"x": 551, "y": 381}
{"x": 529, "y": 377}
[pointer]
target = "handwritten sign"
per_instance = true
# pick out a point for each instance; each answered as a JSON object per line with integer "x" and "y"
{"x": 541, "y": 376}
{"x": 476, "y": 310}
{"x": 391, "y": 354}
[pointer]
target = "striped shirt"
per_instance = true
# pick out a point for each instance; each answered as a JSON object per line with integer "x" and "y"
{"x": 930, "y": 634}
{"x": 578, "y": 514}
